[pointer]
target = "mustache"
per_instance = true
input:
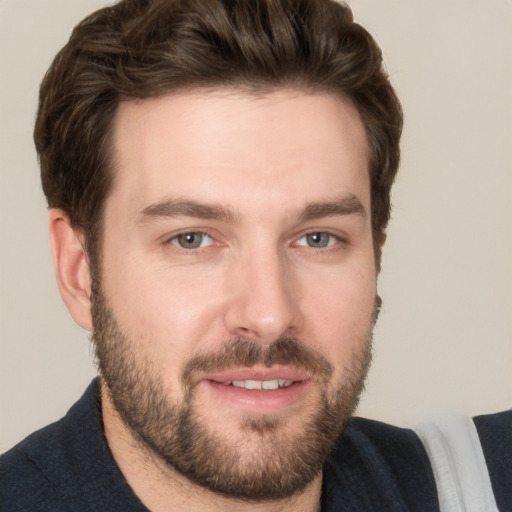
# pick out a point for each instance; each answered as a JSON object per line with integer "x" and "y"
{"x": 243, "y": 352}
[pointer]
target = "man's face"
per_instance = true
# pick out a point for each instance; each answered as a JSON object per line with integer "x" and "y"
{"x": 233, "y": 318}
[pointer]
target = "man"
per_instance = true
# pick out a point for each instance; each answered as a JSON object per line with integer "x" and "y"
{"x": 218, "y": 175}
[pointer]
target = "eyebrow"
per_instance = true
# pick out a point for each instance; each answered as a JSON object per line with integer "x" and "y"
{"x": 345, "y": 205}
{"x": 187, "y": 208}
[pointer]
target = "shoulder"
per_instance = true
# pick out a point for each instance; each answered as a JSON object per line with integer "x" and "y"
{"x": 44, "y": 470}
{"x": 23, "y": 482}
{"x": 495, "y": 425}
{"x": 495, "y": 433}
{"x": 66, "y": 466}
{"x": 378, "y": 466}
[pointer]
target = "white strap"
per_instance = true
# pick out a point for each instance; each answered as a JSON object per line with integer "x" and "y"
{"x": 458, "y": 463}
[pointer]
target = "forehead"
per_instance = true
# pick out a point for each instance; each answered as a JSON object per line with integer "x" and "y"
{"x": 228, "y": 146}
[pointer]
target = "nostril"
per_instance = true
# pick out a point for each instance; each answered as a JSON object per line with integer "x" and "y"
{"x": 243, "y": 331}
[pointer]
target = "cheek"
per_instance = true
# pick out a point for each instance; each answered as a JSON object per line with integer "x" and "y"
{"x": 170, "y": 309}
{"x": 340, "y": 311}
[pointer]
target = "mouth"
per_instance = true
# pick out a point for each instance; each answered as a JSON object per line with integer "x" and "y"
{"x": 260, "y": 385}
{"x": 258, "y": 391}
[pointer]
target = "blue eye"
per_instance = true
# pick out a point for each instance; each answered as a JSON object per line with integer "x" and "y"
{"x": 193, "y": 240}
{"x": 318, "y": 240}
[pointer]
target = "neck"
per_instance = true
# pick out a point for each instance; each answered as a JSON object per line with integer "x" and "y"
{"x": 161, "y": 488}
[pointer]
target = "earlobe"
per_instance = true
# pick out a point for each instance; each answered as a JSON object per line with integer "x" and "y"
{"x": 71, "y": 267}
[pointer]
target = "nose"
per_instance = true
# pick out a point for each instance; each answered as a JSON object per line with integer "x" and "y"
{"x": 263, "y": 300}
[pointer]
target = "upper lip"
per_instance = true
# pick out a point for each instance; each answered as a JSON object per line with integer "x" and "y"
{"x": 261, "y": 374}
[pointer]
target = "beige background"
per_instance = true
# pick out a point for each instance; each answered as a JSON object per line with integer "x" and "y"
{"x": 444, "y": 339}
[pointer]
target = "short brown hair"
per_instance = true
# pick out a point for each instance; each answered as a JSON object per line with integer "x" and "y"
{"x": 145, "y": 48}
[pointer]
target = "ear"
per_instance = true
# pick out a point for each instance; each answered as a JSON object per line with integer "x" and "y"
{"x": 71, "y": 267}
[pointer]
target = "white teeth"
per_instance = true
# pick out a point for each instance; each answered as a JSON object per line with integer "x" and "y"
{"x": 267, "y": 385}
{"x": 270, "y": 384}
{"x": 253, "y": 384}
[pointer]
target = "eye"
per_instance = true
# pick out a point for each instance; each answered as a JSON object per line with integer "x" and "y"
{"x": 192, "y": 240}
{"x": 318, "y": 240}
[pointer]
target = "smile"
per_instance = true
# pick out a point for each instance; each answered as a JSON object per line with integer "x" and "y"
{"x": 260, "y": 385}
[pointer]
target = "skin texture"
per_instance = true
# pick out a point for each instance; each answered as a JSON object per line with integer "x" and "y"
{"x": 273, "y": 192}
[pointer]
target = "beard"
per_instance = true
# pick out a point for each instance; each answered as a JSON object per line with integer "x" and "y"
{"x": 268, "y": 462}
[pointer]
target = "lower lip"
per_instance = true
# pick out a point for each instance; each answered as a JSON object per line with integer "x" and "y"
{"x": 260, "y": 402}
